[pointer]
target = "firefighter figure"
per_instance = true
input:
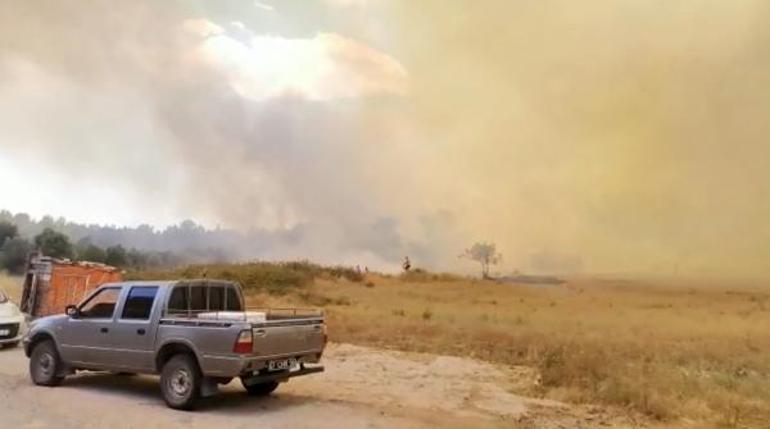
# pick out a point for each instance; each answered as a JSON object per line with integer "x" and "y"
{"x": 407, "y": 264}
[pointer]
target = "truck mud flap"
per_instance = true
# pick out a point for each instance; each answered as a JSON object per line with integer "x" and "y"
{"x": 209, "y": 387}
{"x": 281, "y": 376}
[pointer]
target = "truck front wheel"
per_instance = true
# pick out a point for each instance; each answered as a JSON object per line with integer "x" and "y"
{"x": 180, "y": 382}
{"x": 261, "y": 389}
{"x": 44, "y": 364}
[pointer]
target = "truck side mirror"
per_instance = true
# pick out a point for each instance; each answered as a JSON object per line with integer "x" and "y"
{"x": 72, "y": 311}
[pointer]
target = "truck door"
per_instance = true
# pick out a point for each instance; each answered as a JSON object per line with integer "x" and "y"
{"x": 86, "y": 339}
{"x": 133, "y": 336}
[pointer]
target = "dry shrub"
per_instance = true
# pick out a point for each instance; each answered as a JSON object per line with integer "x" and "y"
{"x": 419, "y": 275}
{"x": 276, "y": 278}
{"x": 317, "y": 300}
{"x": 11, "y": 286}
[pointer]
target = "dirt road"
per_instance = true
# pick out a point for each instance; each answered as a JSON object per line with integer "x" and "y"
{"x": 362, "y": 388}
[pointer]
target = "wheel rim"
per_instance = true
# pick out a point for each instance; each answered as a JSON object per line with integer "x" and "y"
{"x": 180, "y": 382}
{"x": 45, "y": 364}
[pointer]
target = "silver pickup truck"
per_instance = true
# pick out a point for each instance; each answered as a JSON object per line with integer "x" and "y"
{"x": 196, "y": 334}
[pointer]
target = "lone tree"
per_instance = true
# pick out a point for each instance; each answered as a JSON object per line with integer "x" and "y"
{"x": 54, "y": 244}
{"x": 485, "y": 254}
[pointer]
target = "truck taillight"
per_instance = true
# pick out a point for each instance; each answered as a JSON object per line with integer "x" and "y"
{"x": 244, "y": 343}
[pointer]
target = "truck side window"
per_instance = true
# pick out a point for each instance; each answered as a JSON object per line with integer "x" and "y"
{"x": 139, "y": 303}
{"x": 233, "y": 301}
{"x": 101, "y": 305}
{"x": 177, "y": 303}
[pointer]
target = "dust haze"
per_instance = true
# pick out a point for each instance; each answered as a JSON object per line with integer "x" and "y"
{"x": 602, "y": 137}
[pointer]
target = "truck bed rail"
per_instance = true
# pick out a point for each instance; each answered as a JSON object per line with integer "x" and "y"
{"x": 288, "y": 312}
{"x": 256, "y": 315}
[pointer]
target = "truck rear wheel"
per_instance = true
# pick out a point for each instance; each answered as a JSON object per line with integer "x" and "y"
{"x": 180, "y": 382}
{"x": 261, "y": 389}
{"x": 44, "y": 364}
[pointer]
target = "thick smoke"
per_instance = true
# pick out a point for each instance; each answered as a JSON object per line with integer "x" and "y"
{"x": 134, "y": 98}
{"x": 599, "y": 137}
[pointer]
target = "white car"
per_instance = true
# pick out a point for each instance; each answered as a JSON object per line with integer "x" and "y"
{"x": 11, "y": 322}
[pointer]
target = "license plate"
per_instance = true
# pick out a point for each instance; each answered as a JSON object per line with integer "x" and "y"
{"x": 5, "y": 332}
{"x": 281, "y": 365}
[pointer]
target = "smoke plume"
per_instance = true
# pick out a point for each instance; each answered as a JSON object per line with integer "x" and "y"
{"x": 624, "y": 137}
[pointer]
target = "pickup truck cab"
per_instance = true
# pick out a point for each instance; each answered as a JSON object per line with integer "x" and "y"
{"x": 196, "y": 334}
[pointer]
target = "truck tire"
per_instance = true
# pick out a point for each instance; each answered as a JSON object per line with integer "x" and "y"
{"x": 45, "y": 364}
{"x": 261, "y": 389}
{"x": 180, "y": 382}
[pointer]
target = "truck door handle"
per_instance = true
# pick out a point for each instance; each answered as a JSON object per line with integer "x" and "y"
{"x": 140, "y": 331}
{"x": 104, "y": 330}
{"x": 260, "y": 332}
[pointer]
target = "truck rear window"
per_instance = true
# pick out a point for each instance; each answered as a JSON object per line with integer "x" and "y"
{"x": 202, "y": 298}
{"x": 139, "y": 303}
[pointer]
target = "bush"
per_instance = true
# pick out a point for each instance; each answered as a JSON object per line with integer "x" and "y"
{"x": 13, "y": 255}
{"x": 7, "y": 232}
{"x": 116, "y": 256}
{"x": 276, "y": 278}
{"x": 419, "y": 275}
{"x": 348, "y": 273}
{"x": 90, "y": 252}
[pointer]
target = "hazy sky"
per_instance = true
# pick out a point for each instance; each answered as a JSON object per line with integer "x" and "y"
{"x": 603, "y": 136}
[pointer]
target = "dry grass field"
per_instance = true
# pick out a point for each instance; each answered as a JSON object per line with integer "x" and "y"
{"x": 673, "y": 354}
{"x": 677, "y": 354}
{"x": 11, "y": 286}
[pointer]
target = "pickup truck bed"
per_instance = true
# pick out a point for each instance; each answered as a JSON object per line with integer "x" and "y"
{"x": 276, "y": 334}
{"x": 195, "y": 334}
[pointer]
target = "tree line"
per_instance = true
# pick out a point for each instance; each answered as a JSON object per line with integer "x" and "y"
{"x": 14, "y": 250}
{"x": 188, "y": 240}
{"x": 144, "y": 246}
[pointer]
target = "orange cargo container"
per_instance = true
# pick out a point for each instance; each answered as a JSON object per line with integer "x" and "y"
{"x": 52, "y": 284}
